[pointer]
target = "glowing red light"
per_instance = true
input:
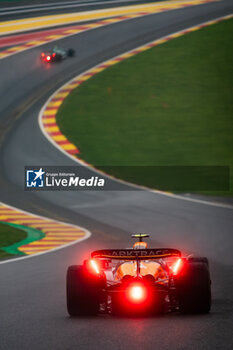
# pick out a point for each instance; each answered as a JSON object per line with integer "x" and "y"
{"x": 176, "y": 267}
{"x": 48, "y": 58}
{"x": 53, "y": 54}
{"x": 137, "y": 294}
{"x": 94, "y": 266}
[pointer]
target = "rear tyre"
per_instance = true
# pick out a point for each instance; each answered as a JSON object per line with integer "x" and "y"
{"x": 70, "y": 52}
{"x": 57, "y": 58}
{"x": 82, "y": 291}
{"x": 194, "y": 287}
{"x": 197, "y": 259}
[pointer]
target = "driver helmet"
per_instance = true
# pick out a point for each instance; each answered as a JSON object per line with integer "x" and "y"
{"x": 140, "y": 245}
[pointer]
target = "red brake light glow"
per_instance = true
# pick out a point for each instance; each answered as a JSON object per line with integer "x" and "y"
{"x": 94, "y": 266}
{"x": 177, "y": 266}
{"x": 48, "y": 58}
{"x": 137, "y": 294}
{"x": 42, "y": 55}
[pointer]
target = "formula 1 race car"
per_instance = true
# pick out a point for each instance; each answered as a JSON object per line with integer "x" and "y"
{"x": 56, "y": 55}
{"x": 139, "y": 281}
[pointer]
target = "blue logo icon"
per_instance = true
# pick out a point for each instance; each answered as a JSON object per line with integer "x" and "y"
{"x": 35, "y": 178}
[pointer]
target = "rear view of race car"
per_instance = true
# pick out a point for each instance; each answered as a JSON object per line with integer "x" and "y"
{"x": 56, "y": 55}
{"x": 139, "y": 281}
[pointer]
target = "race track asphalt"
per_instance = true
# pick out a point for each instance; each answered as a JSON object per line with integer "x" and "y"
{"x": 32, "y": 291}
{"x": 26, "y": 9}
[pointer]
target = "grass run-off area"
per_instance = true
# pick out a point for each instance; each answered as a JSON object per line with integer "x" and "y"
{"x": 8, "y": 236}
{"x": 168, "y": 106}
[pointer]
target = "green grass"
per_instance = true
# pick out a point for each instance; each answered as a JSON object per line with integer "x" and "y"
{"x": 171, "y": 105}
{"x": 8, "y": 236}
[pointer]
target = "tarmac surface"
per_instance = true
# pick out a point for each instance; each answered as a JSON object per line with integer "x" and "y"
{"x": 32, "y": 292}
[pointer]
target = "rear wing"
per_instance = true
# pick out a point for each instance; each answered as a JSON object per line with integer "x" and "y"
{"x": 135, "y": 254}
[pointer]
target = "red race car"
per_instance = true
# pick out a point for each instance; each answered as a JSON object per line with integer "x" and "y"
{"x": 139, "y": 281}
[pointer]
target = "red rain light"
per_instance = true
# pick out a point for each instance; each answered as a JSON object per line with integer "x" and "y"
{"x": 137, "y": 294}
{"x": 48, "y": 58}
{"x": 42, "y": 55}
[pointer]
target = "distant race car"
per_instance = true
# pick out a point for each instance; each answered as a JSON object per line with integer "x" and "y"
{"x": 139, "y": 280}
{"x": 56, "y": 55}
